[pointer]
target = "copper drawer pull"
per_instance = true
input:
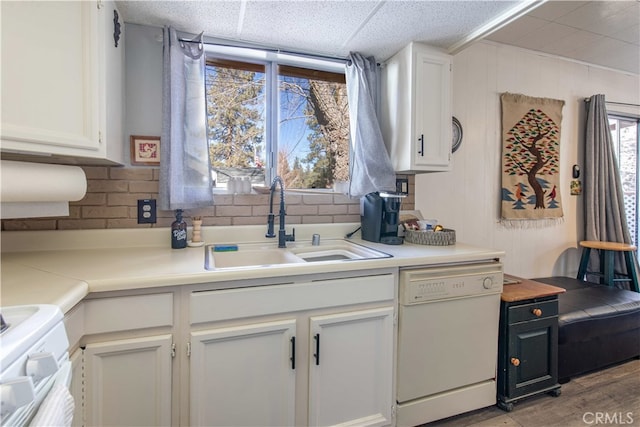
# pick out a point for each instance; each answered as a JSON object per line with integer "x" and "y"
{"x": 536, "y": 312}
{"x": 515, "y": 361}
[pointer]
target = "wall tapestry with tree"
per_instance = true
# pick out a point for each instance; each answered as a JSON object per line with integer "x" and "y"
{"x": 530, "y": 160}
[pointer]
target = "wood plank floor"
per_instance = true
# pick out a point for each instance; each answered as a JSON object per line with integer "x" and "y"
{"x": 612, "y": 393}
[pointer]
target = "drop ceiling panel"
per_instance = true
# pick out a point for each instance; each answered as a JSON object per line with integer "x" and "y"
{"x": 527, "y": 26}
{"x": 592, "y": 13}
{"x": 545, "y": 36}
{"x": 572, "y": 43}
{"x": 607, "y": 50}
{"x": 629, "y": 35}
{"x": 187, "y": 16}
{"x": 605, "y": 33}
{"x": 438, "y": 23}
{"x": 312, "y": 26}
{"x": 553, "y": 10}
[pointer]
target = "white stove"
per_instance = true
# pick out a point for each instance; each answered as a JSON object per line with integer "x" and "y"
{"x": 34, "y": 357}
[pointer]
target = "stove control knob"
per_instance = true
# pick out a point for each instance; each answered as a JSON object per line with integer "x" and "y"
{"x": 487, "y": 283}
{"x": 41, "y": 365}
{"x": 15, "y": 394}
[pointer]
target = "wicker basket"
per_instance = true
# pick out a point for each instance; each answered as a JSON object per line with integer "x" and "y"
{"x": 434, "y": 238}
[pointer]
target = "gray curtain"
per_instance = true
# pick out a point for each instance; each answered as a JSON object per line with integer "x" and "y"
{"x": 185, "y": 177}
{"x": 604, "y": 212}
{"x": 370, "y": 167}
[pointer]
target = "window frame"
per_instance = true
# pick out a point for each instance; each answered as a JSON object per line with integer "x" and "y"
{"x": 271, "y": 60}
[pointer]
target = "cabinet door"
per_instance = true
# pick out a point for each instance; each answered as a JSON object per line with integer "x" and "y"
{"x": 432, "y": 114}
{"x": 112, "y": 87}
{"x": 50, "y": 89}
{"x": 351, "y": 368}
{"x": 243, "y": 375}
{"x": 128, "y": 382}
{"x": 532, "y": 356}
{"x": 415, "y": 117}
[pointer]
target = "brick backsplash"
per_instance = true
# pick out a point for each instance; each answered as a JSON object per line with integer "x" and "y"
{"x": 113, "y": 192}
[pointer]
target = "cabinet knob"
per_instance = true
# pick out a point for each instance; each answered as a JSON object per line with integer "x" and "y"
{"x": 536, "y": 312}
{"x": 515, "y": 361}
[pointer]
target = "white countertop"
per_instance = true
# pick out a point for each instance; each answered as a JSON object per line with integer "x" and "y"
{"x": 63, "y": 267}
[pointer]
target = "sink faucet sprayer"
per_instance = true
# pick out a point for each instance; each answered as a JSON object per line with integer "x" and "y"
{"x": 283, "y": 237}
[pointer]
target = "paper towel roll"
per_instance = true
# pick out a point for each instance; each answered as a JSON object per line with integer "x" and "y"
{"x": 39, "y": 182}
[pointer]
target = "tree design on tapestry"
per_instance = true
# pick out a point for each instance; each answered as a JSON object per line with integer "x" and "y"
{"x": 531, "y": 150}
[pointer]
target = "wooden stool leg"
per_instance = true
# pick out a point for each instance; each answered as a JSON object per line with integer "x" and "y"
{"x": 607, "y": 268}
{"x": 584, "y": 262}
{"x": 631, "y": 271}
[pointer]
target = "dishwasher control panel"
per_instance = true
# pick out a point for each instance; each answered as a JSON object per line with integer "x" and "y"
{"x": 430, "y": 284}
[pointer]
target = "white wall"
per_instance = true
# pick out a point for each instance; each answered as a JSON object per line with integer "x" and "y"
{"x": 467, "y": 199}
{"x": 143, "y": 77}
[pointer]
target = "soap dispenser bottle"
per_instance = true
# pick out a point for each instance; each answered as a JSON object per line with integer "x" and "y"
{"x": 178, "y": 232}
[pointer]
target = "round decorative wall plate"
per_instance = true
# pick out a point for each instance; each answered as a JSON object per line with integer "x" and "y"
{"x": 456, "y": 134}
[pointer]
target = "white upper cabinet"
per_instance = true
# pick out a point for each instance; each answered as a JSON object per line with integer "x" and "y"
{"x": 62, "y": 80}
{"x": 416, "y": 119}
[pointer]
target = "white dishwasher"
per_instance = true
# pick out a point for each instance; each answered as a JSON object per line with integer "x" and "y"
{"x": 447, "y": 340}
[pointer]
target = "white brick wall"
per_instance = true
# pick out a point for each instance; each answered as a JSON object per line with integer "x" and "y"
{"x": 113, "y": 192}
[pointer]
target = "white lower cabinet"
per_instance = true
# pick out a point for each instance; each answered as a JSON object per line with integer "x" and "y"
{"x": 308, "y": 350}
{"x": 244, "y": 375}
{"x": 314, "y": 352}
{"x": 351, "y": 373}
{"x": 128, "y": 382}
{"x": 123, "y": 357}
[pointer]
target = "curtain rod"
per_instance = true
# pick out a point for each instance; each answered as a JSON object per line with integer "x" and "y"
{"x": 304, "y": 55}
{"x": 616, "y": 103}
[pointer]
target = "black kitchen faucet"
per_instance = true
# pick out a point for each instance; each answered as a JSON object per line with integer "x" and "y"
{"x": 283, "y": 237}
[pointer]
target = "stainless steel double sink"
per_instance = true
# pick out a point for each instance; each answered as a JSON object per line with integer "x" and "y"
{"x": 252, "y": 255}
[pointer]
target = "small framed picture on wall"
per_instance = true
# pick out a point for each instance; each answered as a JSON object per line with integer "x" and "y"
{"x": 145, "y": 150}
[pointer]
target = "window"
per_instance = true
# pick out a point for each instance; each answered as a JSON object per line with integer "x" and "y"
{"x": 268, "y": 118}
{"x": 624, "y": 133}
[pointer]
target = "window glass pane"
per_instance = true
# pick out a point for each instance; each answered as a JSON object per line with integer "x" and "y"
{"x": 624, "y": 133}
{"x": 236, "y": 108}
{"x": 313, "y": 128}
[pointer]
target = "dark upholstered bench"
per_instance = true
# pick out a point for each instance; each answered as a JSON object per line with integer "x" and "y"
{"x": 598, "y": 325}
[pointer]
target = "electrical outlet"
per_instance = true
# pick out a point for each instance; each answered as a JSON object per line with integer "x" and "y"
{"x": 402, "y": 185}
{"x": 147, "y": 211}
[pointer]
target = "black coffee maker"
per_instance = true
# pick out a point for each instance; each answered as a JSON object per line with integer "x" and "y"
{"x": 379, "y": 217}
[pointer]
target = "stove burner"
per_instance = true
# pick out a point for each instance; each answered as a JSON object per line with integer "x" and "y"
{"x": 3, "y": 325}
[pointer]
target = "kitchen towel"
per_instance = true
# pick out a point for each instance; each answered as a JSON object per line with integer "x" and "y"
{"x": 530, "y": 161}
{"x": 56, "y": 409}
